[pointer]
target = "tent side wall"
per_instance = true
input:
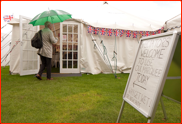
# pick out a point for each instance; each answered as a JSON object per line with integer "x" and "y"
{"x": 15, "y": 54}
{"x": 91, "y": 61}
{"x": 5, "y": 48}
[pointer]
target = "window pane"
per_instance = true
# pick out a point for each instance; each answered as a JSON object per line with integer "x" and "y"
{"x": 70, "y": 46}
{"x": 64, "y": 64}
{"x": 30, "y": 55}
{"x": 35, "y": 65}
{"x": 25, "y": 55}
{"x": 75, "y": 64}
{"x": 75, "y": 38}
{"x": 69, "y": 55}
{"x": 64, "y": 37}
{"x": 75, "y": 28}
{"x": 69, "y": 28}
{"x": 30, "y": 65}
{"x": 69, "y": 64}
{"x": 69, "y": 37}
{"x": 64, "y": 28}
{"x": 35, "y": 55}
{"x": 75, "y": 46}
{"x": 25, "y": 63}
{"x": 64, "y": 46}
{"x": 75, "y": 55}
{"x": 64, "y": 55}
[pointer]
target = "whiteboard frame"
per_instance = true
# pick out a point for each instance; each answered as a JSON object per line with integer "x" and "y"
{"x": 163, "y": 77}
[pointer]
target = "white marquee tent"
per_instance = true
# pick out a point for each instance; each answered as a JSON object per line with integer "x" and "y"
{"x": 5, "y": 46}
{"x": 88, "y": 60}
{"x": 108, "y": 17}
{"x": 173, "y": 24}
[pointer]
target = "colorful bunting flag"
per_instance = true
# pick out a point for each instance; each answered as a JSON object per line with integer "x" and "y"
{"x": 96, "y": 30}
{"x": 7, "y": 18}
{"x": 90, "y": 29}
{"x": 109, "y": 32}
{"x": 128, "y": 33}
{"x": 116, "y": 32}
{"x": 121, "y": 33}
{"x": 147, "y": 33}
{"x": 153, "y": 32}
{"x": 134, "y": 34}
{"x": 159, "y": 31}
{"x": 102, "y": 31}
{"x": 141, "y": 32}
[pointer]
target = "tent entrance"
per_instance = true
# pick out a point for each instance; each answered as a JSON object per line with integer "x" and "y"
{"x": 29, "y": 61}
{"x": 69, "y": 47}
{"x": 66, "y": 53}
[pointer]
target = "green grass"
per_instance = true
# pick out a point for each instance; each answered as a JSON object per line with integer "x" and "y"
{"x": 86, "y": 99}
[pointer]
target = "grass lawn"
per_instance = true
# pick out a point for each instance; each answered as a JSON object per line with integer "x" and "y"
{"x": 86, "y": 99}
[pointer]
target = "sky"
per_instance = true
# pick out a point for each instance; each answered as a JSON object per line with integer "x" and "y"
{"x": 155, "y": 10}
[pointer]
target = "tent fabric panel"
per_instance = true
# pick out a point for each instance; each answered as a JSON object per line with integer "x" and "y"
{"x": 91, "y": 61}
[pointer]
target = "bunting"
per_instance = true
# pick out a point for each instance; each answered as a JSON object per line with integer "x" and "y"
{"x": 153, "y": 32}
{"x": 116, "y": 32}
{"x": 90, "y": 29}
{"x": 134, "y": 34}
{"x": 147, "y": 33}
{"x": 128, "y": 33}
{"x": 121, "y": 33}
{"x": 102, "y": 31}
{"x": 141, "y": 32}
{"x": 109, "y": 32}
{"x": 96, "y": 30}
{"x": 159, "y": 31}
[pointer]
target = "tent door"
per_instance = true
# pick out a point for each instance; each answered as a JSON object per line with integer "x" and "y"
{"x": 29, "y": 60}
{"x": 69, "y": 47}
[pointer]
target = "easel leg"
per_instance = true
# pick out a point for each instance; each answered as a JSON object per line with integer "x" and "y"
{"x": 121, "y": 111}
{"x": 164, "y": 111}
{"x": 150, "y": 120}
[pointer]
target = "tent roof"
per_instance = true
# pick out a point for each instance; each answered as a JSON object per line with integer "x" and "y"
{"x": 15, "y": 21}
{"x": 107, "y": 16}
{"x": 172, "y": 23}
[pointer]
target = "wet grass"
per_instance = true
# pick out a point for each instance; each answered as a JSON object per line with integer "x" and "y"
{"x": 85, "y": 99}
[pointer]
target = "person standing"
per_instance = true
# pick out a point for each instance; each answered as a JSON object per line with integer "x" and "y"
{"x": 46, "y": 51}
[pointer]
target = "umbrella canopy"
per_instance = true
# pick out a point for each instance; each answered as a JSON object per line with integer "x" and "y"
{"x": 107, "y": 16}
{"x": 53, "y": 16}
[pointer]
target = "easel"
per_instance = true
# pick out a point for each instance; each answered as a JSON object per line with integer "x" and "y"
{"x": 150, "y": 113}
{"x": 150, "y": 119}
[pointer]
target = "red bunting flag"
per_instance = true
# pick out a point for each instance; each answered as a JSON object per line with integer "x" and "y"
{"x": 96, "y": 30}
{"x": 90, "y": 29}
{"x": 141, "y": 32}
{"x": 102, "y": 31}
{"x": 159, "y": 31}
{"x": 121, "y": 33}
{"x": 134, "y": 34}
{"x": 116, "y": 32}
{"x": 128, "y": 33}
{"x": 147, "y": 33}
{"x": 109, "y": 32}
{"x": 153, "y": 32}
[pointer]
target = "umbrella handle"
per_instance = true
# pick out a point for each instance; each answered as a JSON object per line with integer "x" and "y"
{"x": 54, "y": 30}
